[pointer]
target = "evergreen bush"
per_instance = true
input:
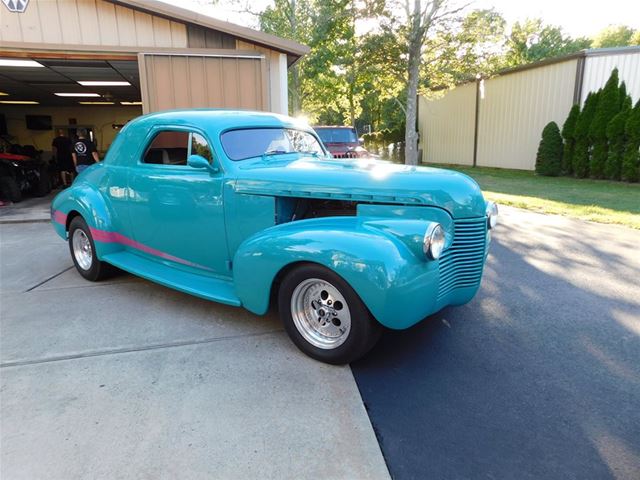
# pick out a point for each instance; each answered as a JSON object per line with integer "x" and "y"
{"x": 608, "y": 107}
{"x": 631, "y": 159}
{"x": 549, "y": 157}
{"x": 580, "y": 161}
{"x": 617, "y": 141}
{"x": 568, "y": 134}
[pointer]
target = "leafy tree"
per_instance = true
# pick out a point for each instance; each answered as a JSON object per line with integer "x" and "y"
{"x": 549, "y": 157}
{"x": 631, "y": 159}
{"x": 568, "y": 134}
{"x": 608, "y": 107}
{"x": 531, "y": 41}
{"x": 614, "y": 36}
{"x": 617, "y": 141}
{"x": 635, "y": 39}
{"x": 583, "y": 143}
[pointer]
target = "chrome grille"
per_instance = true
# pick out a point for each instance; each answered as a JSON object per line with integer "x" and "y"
{"x": 461, "y": 264}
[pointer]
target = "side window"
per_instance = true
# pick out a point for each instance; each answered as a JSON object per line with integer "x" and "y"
{"x": 199, "y": 146}
{"x": 168, "y": 148}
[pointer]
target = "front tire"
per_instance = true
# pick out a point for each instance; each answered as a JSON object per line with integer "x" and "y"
{"x": 83, "y": 252}
{"x": 325, "y": 317}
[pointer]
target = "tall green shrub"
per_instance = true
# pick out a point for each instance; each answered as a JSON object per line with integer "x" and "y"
{"x": 623, "y": 94}
{"x": 631, "y": 159}
{"x": 568, "y": 134}
{"x": 582, "y": 150}
{"x": 549, "y": 157}
{"x": 617, "y": 140}
{"x": 608, "y": 107}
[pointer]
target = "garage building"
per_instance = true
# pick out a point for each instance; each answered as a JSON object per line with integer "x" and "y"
{"x": 98, "y": 63}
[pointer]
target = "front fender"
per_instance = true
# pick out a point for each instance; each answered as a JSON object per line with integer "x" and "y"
{"x": 397, "y": 285}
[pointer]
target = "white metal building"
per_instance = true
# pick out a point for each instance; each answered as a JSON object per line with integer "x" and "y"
{"x": 498, "y": 122}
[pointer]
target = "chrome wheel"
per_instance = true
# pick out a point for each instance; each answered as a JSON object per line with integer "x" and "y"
{"x": 320, "y": 313}
{"x": 82, "y": 249}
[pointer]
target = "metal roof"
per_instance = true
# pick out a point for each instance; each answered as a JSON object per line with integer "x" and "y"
{"x": 293, "y": 49}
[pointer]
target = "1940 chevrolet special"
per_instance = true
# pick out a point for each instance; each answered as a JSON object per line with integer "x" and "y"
{"x": 246, "y": 208}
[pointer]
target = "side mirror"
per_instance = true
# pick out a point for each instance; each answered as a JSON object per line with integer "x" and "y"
{"x": 198, "y": 161}
{"x": 361, "y": 141}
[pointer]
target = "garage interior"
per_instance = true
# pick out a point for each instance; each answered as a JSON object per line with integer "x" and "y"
{"x": 39, "y": 96}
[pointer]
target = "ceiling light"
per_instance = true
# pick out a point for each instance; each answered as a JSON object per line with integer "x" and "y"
{"x": 3, "y": 94}
{"x": 95, "y": 103}
{"x": 130, "y": 103}
{"x": 13, "y": 62}
{"x": 104, "y": 84}
{"x": 77, "y": 94}
{"x": 19, "y": 102}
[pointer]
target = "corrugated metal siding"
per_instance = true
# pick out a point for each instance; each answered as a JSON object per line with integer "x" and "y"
{"x": 446, "y": 126}
{"x": 598, "y": 68}
{"x": 89, "y": 22}
{"x": 179, "y": 81}
{"x": 200, "y": 37}
{"x": 515, "y": 108}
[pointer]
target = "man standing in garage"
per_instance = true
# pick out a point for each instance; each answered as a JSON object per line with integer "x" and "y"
{"x": 62, "y": 151}
{"x": 84, "y": 152}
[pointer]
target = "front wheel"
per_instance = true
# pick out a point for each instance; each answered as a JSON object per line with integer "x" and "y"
{"x": 83, "y": 252}
{"x": 325, "y": 317}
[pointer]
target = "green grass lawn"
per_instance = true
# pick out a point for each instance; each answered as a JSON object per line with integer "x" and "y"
{"x": 596, "y": 200}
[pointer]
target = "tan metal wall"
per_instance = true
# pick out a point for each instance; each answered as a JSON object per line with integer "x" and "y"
{"x": 89, "y": 22}
{"x": 446, "y": 126}
{"x": 598, "y": 68}
{"x": 183, "y": 81}
{"x": 515, "y": 109}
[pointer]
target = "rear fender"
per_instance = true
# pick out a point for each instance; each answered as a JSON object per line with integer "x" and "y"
{"x": 85, "y": 200}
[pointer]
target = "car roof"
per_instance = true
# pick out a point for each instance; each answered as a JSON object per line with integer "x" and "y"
{"x": 219, "y": 119}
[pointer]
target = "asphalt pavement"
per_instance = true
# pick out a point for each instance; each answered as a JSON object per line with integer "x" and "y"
{"x": 537, "y": 378}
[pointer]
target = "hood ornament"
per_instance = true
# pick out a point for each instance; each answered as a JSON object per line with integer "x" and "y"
{"x": 18, "y": 6}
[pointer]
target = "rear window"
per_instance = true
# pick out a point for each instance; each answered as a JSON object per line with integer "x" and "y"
{"x": 255, "y": 142}
{"x": 337, "y": 135}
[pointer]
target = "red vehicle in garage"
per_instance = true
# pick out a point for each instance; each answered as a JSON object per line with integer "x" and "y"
{"x": 342, "y": 142}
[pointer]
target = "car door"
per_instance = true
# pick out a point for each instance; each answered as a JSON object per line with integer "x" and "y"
{"x": 176, "y": 211}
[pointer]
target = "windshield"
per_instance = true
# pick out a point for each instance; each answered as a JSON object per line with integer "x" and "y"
{"x": 337, "y": 135}
{"x": 255, "y": 142}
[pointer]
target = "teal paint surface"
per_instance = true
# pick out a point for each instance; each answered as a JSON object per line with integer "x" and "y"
{"x": 226, "y": 236}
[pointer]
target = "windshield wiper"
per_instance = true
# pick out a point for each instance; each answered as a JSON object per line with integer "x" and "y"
{"x": 270, "y": 153}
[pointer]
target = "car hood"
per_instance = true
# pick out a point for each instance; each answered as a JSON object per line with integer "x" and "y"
{"x": 366, "y": 180}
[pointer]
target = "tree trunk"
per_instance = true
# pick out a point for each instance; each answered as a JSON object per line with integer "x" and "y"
{"x": 411, "y": 135}
{"x": 295, "y": 90}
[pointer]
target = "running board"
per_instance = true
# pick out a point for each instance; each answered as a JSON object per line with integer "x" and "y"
{"x": 202, "y": 286}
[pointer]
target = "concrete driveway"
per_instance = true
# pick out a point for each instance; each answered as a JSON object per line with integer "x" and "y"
{"x": 537, "y": 377}
{"x": 128, "y": 379}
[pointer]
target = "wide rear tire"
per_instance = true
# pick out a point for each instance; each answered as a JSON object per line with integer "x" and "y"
{"x": 83, "y": 252}
{"x": 324, "y": 316}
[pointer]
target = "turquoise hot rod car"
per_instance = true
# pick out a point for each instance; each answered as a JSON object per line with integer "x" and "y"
{"x": 248, "y": 208}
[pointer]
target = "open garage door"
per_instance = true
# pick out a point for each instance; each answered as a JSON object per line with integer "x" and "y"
{"x": 170, "y": 81}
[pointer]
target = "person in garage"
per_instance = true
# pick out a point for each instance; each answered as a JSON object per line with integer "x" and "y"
{"x": 84, "y": 152}
{"x": 61, "y": 146}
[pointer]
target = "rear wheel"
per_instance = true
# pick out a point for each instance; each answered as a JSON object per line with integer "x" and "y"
{"x": 83, "y": 252}
{"x": 325, "y": 317}
{"x": 10, "y": 190}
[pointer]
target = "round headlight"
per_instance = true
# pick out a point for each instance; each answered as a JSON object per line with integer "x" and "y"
{"x": 434, "y": 241}
{"x": 492, "y": 214}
